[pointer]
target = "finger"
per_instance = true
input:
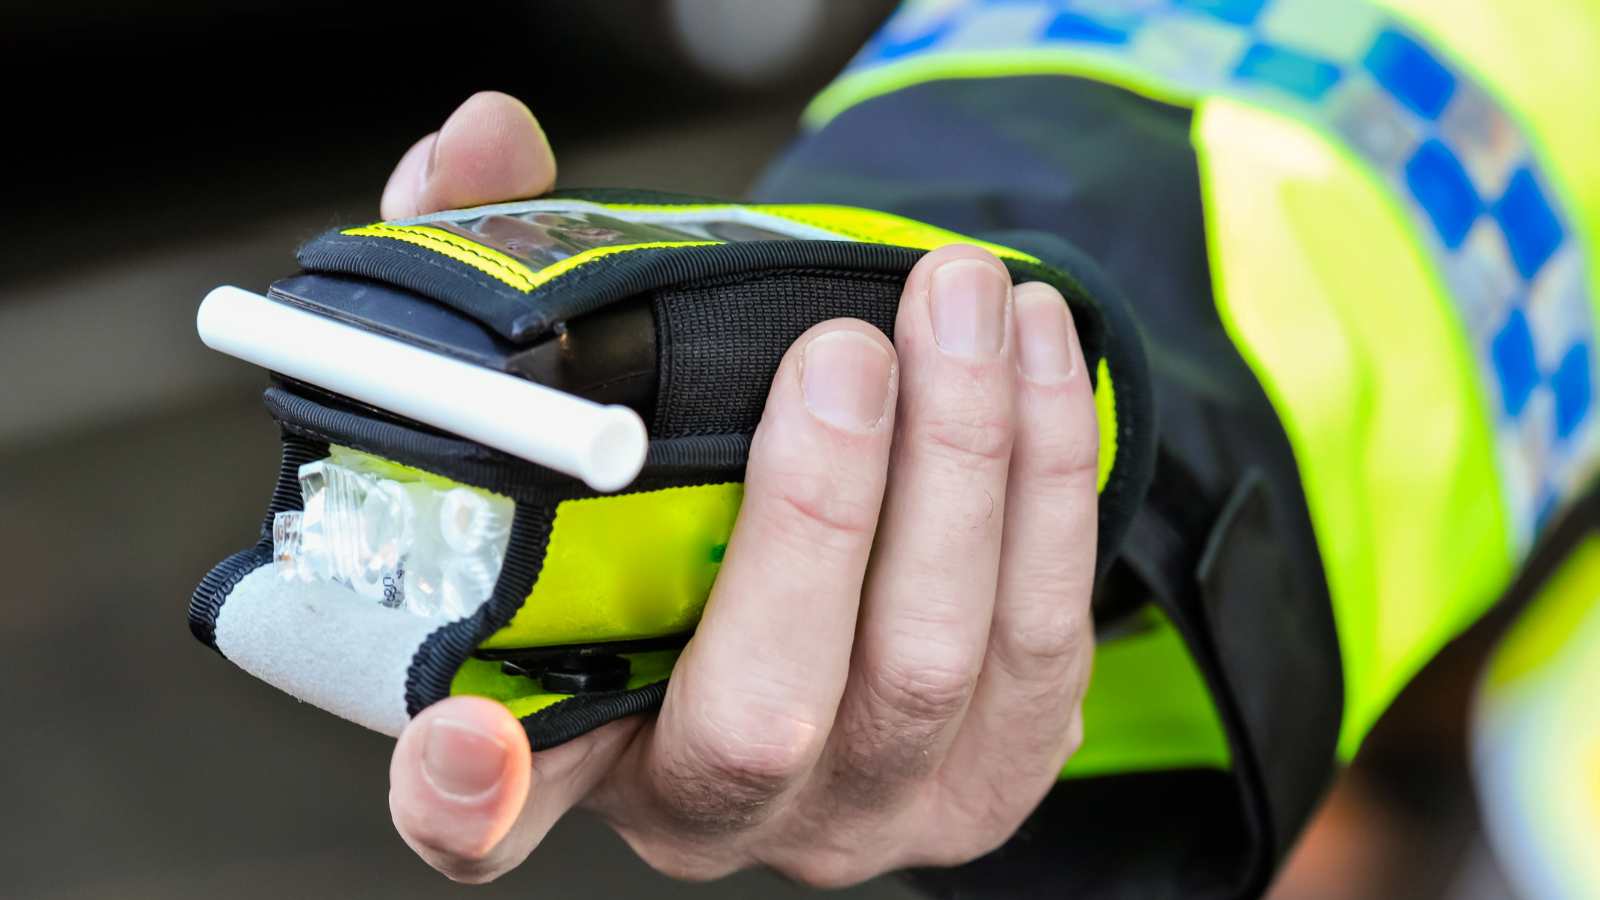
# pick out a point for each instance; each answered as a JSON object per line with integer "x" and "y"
{"x": 470, "y": 799}
{"x": 1024, "y": 720}
{"x": 400, "y": 193}
{"x": 491, "y": 149}
{"x": 930, "y": 591}
{"x": 753, "y": 696}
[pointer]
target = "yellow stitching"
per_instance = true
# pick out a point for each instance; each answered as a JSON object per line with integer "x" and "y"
{"x": 488, "y": 261}
{"x": 519, "y": 276}
{"x": 496, "y": 264}
{"x": 576, "y": 260}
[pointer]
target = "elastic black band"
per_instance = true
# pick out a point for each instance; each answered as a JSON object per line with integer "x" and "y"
{"x": 675, "y": 462}
{"x": 444, "y": 652}
{"x": 214, "y": 589}
{"x": 561, "y": 722}
{"x": 217, "y": 585}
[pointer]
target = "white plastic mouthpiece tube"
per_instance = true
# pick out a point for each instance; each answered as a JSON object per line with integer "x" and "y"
{"x": 603, "y": 445}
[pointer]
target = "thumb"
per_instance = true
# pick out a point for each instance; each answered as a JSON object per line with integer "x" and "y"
{"x": 468, "y": 796}
{"x": 491, "y": 149}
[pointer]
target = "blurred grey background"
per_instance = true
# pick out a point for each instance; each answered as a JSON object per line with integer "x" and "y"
{"x": 156, "y": 150}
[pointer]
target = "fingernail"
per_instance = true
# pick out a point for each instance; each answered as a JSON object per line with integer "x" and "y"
{"x": 844, "y": 376}
{"x": 461, "y": 760}
{"x": 967, "y": 300}
{"x": 1044, "y": 340}
{"x": 432, "y": 165}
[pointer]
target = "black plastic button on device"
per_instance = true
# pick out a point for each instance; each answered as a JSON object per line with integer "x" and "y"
{"x": 586, "y": 674}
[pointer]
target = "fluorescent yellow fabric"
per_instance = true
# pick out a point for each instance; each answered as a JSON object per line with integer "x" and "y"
{"x": 1148, "y": 707}
{"x": 1359, "y": 347}
{"x": 857, "y": 87}
{"x": 1105, "y": 407}
{"x": 1346, "y": 324}
{"x": 524, "y": 696}
{"x": 882, "y": 228}
{"x": 626, "y": 567}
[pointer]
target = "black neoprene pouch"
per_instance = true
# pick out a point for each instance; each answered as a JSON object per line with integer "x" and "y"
{"x": 680, "y": 308}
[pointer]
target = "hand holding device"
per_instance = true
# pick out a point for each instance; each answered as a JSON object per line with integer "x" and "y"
{"x": 828, "y": 719}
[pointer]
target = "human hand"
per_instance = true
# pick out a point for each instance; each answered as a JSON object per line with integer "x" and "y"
{"x": 890, "y": 667}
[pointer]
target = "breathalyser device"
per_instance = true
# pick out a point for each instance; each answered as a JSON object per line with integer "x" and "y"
{"x": 515, "y": 438}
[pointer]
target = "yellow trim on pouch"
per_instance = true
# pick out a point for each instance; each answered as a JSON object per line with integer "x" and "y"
{"x": 578, "y": 259}
{"x": 498, "y": 265}
{"x": 872, "y": 227}
{"x": 486, "y": 260}
{"x": 864, "y": 225}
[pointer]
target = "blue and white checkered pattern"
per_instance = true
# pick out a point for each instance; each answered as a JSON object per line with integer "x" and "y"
{"x": 1457, "y": 162}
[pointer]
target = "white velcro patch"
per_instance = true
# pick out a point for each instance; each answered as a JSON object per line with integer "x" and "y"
{"x": 325, "y": 645}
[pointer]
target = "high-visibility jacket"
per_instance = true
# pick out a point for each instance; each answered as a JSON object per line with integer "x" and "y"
{"x": 1360, "y": 238}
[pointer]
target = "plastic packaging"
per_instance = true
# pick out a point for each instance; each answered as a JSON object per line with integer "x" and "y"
{"x": 399, "y": 537}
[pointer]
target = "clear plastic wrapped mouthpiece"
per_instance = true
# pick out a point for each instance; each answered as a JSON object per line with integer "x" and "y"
{"x": 397, "y": 536}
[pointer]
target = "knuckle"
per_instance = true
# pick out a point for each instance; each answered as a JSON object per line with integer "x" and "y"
{"x": 1059, "y": 450}
{"x": 758, "y": 765}
{"x": 1073, "y": 461}
{"x": 822, "y": 514}
{"x": 805, "y": 503}
{"x": 1053, "y": 635}
{"x": 980, "y": 436}
{"x": 923, "y": 690}
{"x": 1054, "y": 463}
{"x": 733, "y": 783}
